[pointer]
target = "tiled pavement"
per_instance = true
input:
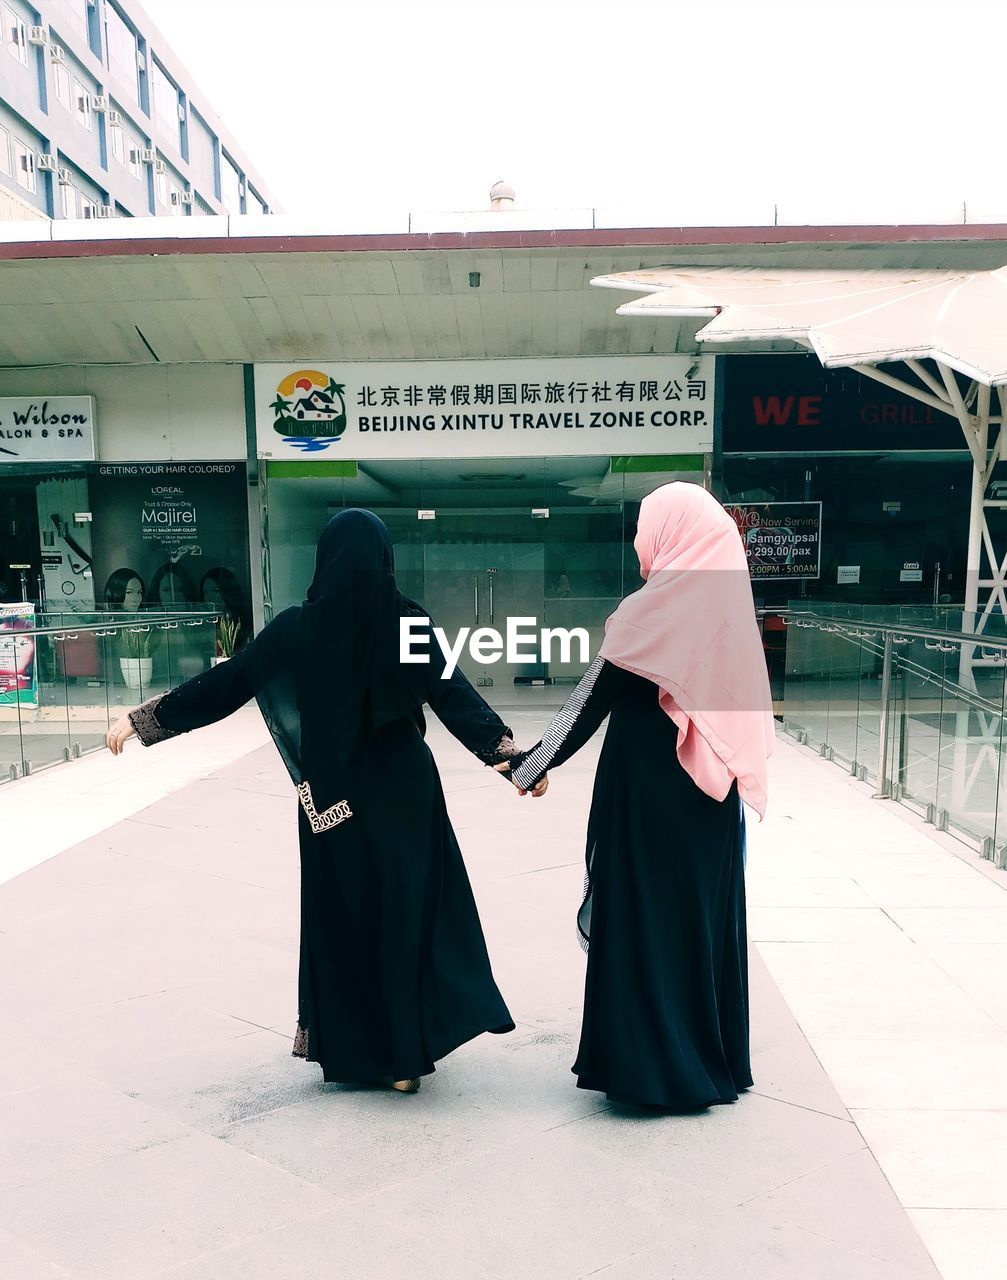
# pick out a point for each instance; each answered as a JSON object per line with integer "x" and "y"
{"x": 152, "y": 1121}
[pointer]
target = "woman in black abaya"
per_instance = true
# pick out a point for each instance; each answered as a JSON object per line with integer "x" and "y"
{"x": 394, "y": 973}
{"x": 682, "y": 675}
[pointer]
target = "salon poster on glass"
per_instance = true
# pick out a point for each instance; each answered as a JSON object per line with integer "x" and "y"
{"x": 18, "y": 668}
{"x": 170, "y": 535}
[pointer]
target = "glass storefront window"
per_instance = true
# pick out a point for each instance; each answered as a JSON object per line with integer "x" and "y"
{"x": 480, "y": 542}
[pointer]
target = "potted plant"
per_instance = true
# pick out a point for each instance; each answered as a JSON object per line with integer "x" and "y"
{"x": 228, "y": 638}
{"x": 136, "y": 663}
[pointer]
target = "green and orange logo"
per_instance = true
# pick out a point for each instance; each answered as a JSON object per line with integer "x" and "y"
{"x": 309, "y": 410}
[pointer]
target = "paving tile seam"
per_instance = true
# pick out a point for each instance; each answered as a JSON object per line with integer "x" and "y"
{"x": 585, "y": 1275}
{"x": 800, "y": 1106}
{"x": 176, "y": 1267}
{"x": 29, "y": 1248}
{"x": 84, "y": 1166}
{"x": 807, "y": 1173}
{"x": 511, "y": 1143}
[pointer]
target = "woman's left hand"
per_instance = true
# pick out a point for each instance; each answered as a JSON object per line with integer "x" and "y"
{"x": 119, "y": 735}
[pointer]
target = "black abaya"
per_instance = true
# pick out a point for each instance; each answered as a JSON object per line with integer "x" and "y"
{"x": 666, "y": 997}
{"x": 393, "y": 971}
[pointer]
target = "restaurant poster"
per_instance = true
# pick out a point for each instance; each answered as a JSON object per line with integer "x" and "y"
{"x": 783, "y": 540}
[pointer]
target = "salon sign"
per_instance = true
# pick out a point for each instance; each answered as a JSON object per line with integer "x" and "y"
{"x": 562, "y": 407}
{"x": 47, "y": 429}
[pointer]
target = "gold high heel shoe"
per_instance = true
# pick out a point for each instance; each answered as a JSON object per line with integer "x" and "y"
{"x": 400, "y": 1086}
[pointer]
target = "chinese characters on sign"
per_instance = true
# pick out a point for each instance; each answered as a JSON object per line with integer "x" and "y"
{"x": 529, "y": 393}
{"x": 451, "y": 408}
{"x": 782, "y": 539}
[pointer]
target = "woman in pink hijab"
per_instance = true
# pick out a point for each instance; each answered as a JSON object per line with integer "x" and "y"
{"x": 682, "y": 674}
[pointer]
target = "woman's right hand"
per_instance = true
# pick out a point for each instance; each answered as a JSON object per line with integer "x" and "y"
{"x": 539, "y": 789}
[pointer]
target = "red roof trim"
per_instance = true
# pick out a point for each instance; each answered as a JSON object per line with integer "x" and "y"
{"x": 586, "y": 238}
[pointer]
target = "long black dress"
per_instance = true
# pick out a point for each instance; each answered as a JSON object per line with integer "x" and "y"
{"x": 666, "y": 998}
{"x": 394, "y": 972}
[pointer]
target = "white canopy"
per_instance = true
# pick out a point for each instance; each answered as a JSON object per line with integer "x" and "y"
{"x": 931, "y": 326}
{"x": 848, "y": 318}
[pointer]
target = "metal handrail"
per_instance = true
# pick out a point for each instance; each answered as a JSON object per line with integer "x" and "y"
{"x": 902, "y": 631}
{"x": 160, "y": 621}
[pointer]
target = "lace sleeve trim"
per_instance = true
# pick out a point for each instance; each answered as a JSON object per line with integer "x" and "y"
{"x": 504, "y": 748}
{"x": 538, "y": 761}
{"x": 148, "y": 729}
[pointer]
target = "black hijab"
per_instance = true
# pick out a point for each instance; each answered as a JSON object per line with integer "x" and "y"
{"x": 348, "y": 674}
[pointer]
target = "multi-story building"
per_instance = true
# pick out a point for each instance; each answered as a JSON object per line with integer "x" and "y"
{"x": 99, "y": 119}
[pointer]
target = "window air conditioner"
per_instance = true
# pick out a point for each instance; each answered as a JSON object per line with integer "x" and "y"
{"x": 56, "y": 54}
{"x": 148, "y": 155}
{"x": 160, "y": 167}
{"x": 186, "y": 197}
{"x": 38, "y": 35}
{"x": 99, "y": 102}
{"x": 47, "y": 162}
{"x": 65, "y": 177}
{"x": 104, "y": 211}
{"x": 114, "y": 119}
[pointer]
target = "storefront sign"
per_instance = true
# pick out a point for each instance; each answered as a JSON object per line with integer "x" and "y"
{"x": 848, "y": 574}
{"x": 18, "y": 668}
{"x": 912, "y": 571}
{"x": 47, "y": 429}
{"x": 791, "y": 404}
{"x": 782, "y": 539}
{"x": 485, "y": 408}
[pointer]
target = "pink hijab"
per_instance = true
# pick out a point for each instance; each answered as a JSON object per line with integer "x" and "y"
{"x": 691, "y": 629}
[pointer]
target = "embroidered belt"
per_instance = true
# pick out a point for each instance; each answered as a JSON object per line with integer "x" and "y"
{"x": 332, "y": 817}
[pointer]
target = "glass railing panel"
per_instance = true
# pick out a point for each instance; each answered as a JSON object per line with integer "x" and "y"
{"x": 844, "y": 691}
{"x": 918, "y": 696}
{"x": 45, "y": 737}
{"x": 870, "y": 648}
{"x": 803, "y": 711}
{"x": 970, "y": 753}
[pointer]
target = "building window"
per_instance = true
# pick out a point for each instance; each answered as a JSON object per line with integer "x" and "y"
{"x": 15, "y": 35}
{"x": 88, "y": 207}
{"x": 64, "y": 85}
{"x": 79, "y": 10}
{"x": 161, "y": 187}
{"x": 68, "y": 197}
{"x": 230, "y": 186}
{"x": 5, "y": 161}
{"x": 166, "y": 106}
{"x": 24, "y": 164}
{"x": 122, "y": 50}
{"x": 136, "y": 161}
{"x": 117, "y": 142}
{"x": 82, "y": 104}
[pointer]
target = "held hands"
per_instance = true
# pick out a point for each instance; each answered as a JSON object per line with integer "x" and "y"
{"x": 539, "y": 789}
{"x": 119, "y": 735}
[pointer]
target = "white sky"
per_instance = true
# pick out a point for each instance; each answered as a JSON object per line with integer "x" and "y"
{"x": 649, "y": 110}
